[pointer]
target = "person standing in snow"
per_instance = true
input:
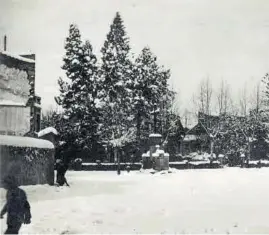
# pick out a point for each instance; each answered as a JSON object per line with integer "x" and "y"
{"x": 61, "y": 169}
{"x": 17, "y": 206}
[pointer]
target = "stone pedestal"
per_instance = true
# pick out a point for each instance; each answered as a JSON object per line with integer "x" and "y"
{"x": 161, "y": 160}
{"x": 155, "y": 158}
{"x": 146, "y": 161}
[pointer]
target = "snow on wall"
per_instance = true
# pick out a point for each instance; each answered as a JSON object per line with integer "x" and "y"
{"x": 21, "y": 141}
{"x": 14, "y": 85}
{"x": 15, "y": 119}
{"x": 47, "y": 131}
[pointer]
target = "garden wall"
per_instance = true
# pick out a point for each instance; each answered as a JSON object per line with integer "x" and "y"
{"x": 30, "y": 160}
{"x": 183, "y": 165}
{"x": 109, "y": 166}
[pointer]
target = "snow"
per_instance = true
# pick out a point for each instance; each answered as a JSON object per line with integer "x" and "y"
{"x": 75, "y": 62}
{"x": 11, "y": 103}
{"x": 147, "y": 154}
{"x": 190, "y": 137}
{"x": 37, "y": 105}
{"x": 155, "y": 135}
{"x": 250, "y": 139}
{"x": 103, "y": 163}
{"x": 191, "y": 201}
{"x": 17, "y": 57}
{"x": 21, "y": 141}
{"x": 221, "y": 156}
{"x": 255, "y": 162}
{"x": 199, "y": 162}
{"x": 124, "y": 139}
{"x": 47, "y": 131}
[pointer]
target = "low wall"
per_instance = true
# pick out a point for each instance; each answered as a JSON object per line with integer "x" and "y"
{"x": 30, "y": 160}
{"x": 109, "y": 166}
{"x": 183, "y": 165}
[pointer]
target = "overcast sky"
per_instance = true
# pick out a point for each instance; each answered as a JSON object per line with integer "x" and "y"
{"x": 221, "y": 39}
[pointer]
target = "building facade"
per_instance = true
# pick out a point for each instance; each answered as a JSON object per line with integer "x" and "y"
{"x": 20, "y": 108}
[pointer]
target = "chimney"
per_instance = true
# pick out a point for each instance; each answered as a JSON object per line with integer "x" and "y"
{"x": 5, "y": 43}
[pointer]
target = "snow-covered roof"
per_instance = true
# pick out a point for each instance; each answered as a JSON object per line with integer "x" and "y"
{"x": 21, "y": 141}
{"x": 11, "y": 103}
{"x": 17, "y": 57}
{"x": 47, "y": 131}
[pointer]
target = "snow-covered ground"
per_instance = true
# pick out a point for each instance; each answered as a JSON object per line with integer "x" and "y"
{"x": 229, "y": 200}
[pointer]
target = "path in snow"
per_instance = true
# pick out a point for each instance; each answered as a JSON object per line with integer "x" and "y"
{"x": 230, "y": 200}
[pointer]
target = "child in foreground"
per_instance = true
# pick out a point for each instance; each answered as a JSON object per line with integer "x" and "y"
{"x": 17, "y": 206}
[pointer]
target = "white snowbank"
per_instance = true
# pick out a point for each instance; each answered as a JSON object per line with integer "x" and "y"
{"x": 21, "y": 141}
{"x": 47, "y": 131}
{"x": 17, "y": 57}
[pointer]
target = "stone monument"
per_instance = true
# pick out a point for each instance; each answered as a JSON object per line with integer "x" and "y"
{"x": 155, "y": 158}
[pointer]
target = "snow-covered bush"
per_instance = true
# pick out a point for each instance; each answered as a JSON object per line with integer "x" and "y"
{"x": 77, "y": 164}
{"x": 128, "y": 167}
{"x": 31, "y": 164}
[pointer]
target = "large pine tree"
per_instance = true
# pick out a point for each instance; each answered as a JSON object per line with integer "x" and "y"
{"x": 116, "y": 79}
{"x": 78, "y": 93}
{"x": 152, "y": 94}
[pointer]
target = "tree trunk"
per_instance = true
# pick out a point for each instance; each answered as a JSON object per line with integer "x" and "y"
{"x": 212, "y": 141}
{"x": 118, "y": 160}
{"x": 138, "y": 125}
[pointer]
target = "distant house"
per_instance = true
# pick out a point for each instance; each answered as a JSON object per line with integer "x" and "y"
{"x": 20, "y": 108}
{"x": 197, "y": 138}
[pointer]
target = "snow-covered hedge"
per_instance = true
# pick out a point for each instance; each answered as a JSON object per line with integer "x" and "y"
{"x": 30, "y": 160}
{"x": 137, "y": 166}
{"x": 110, "y": 166}
{"x": 77, "y": 164}
{"x": 194, "y": 164}
{"x": 261, "y": 163}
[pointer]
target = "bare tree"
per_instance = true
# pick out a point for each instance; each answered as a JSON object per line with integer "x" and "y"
{"x": 203, "y": 99}
{"x": 256, "y": 98}
{"x": 223, "y": 98}
{"x": 243, "y": 101}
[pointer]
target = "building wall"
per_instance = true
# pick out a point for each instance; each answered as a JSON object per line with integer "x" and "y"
{"x": 17, "y": 89}
{"x": 14, "y": 120}
{"x": 14, "y": 85}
